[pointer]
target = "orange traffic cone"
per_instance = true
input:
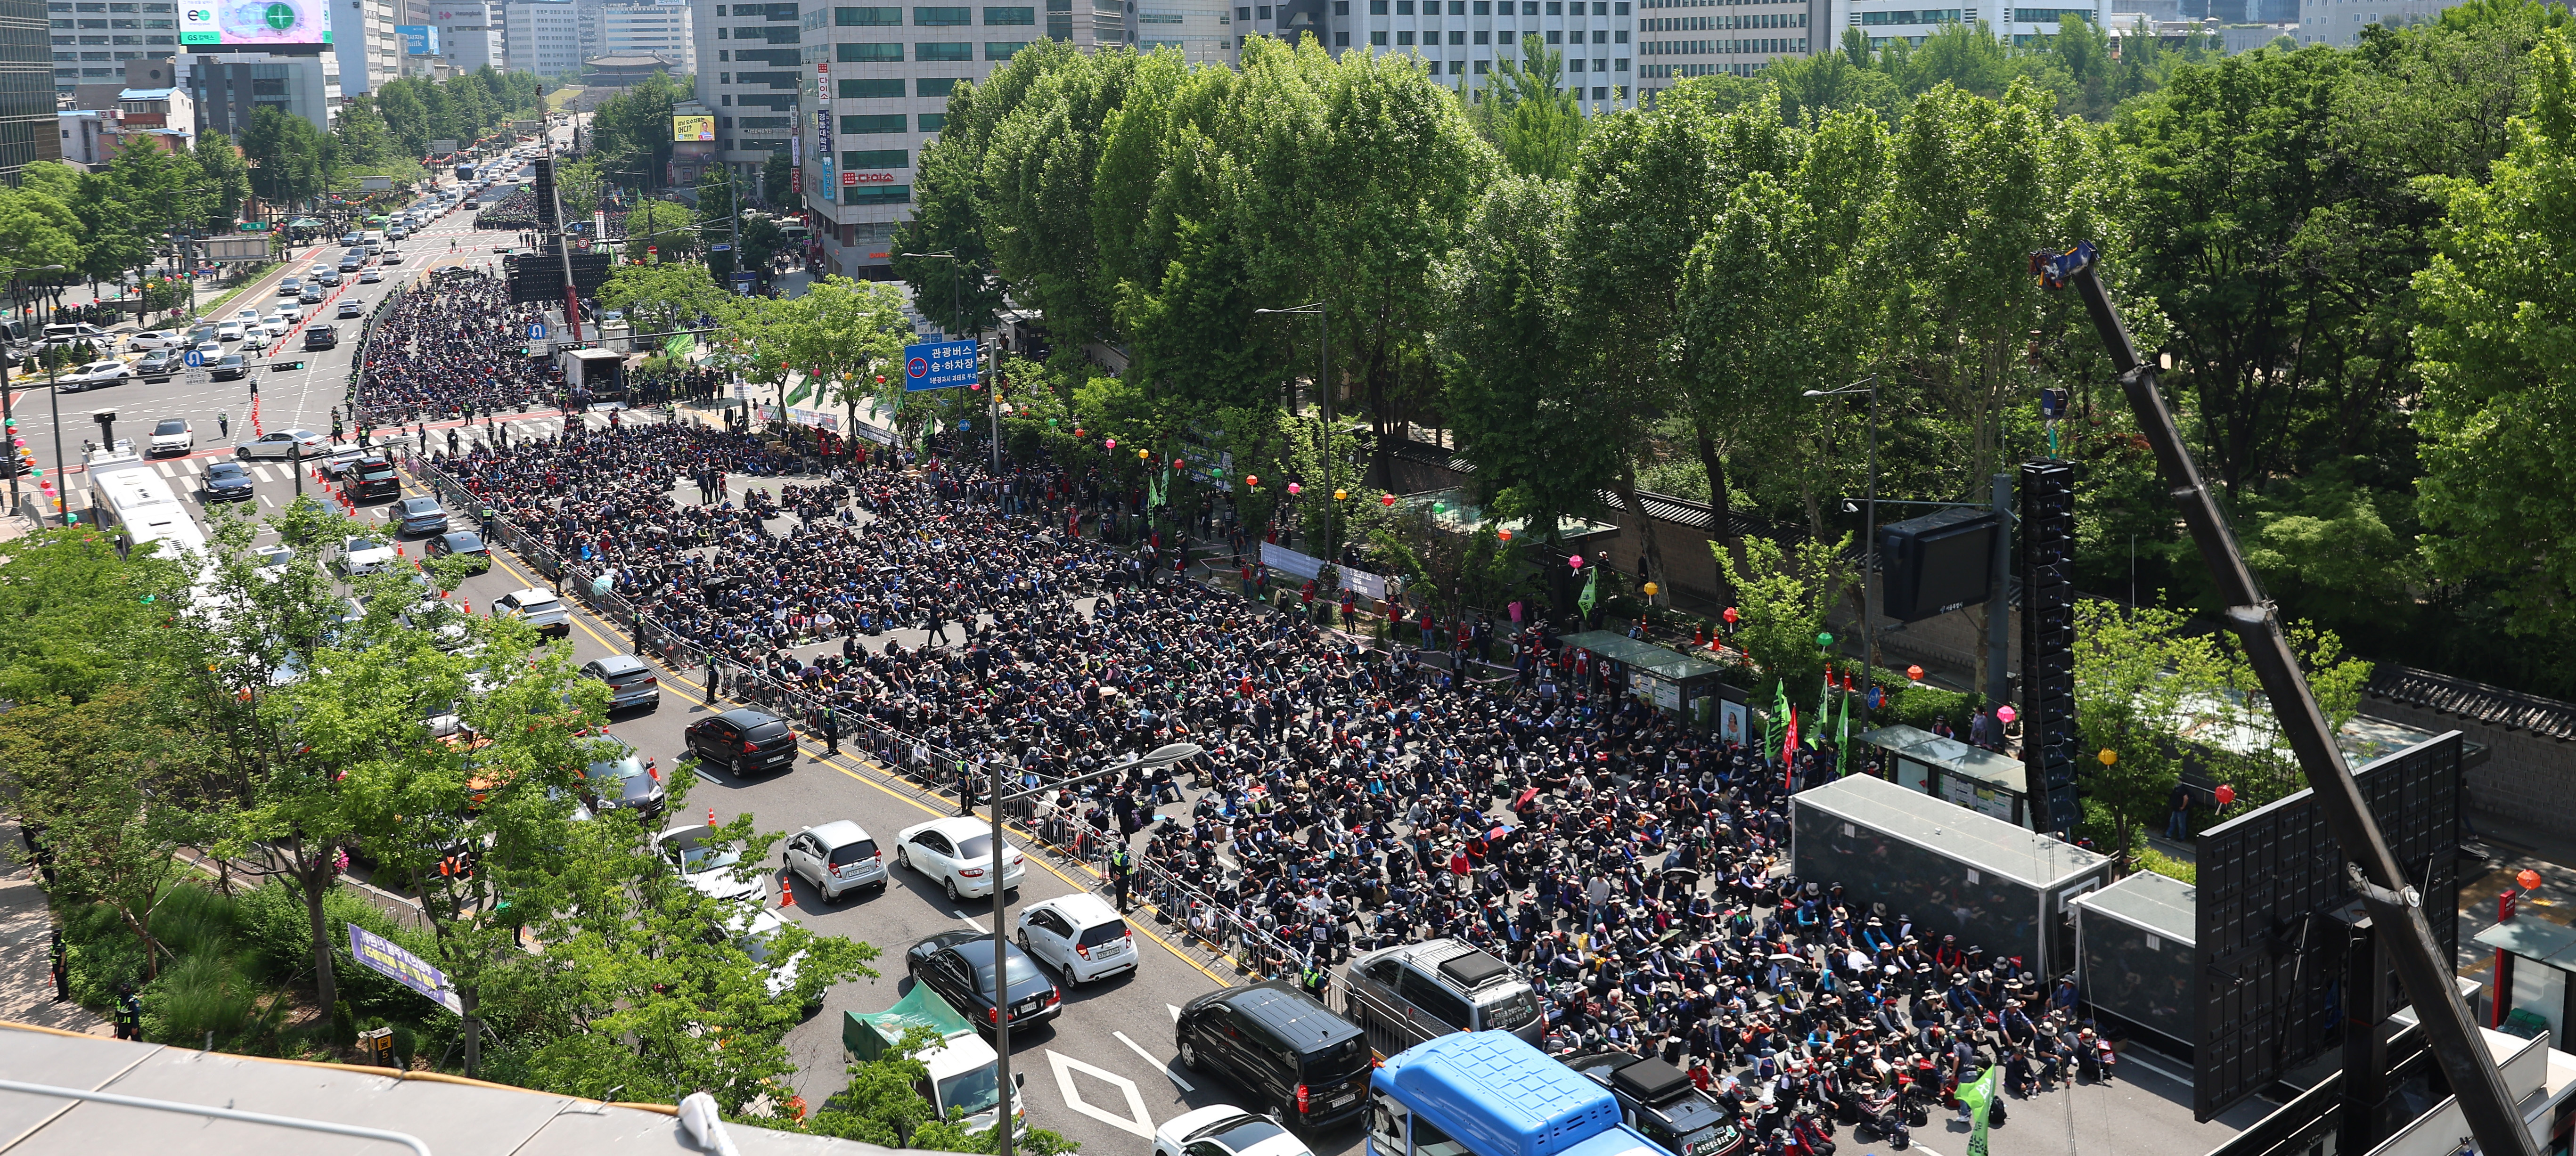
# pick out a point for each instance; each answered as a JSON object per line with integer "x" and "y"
{"x": 469, "y": 606}
{"x": 786, "y": 890}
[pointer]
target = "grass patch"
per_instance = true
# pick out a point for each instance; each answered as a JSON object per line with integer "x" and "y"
{"x": 2150, "y": 859}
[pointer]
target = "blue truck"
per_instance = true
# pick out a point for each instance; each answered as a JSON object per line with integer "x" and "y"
{"x": 1491, "y": 1093}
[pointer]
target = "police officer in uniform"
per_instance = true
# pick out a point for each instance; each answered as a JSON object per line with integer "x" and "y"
{"x": 129, "y": 1013}
{"x": 1121, "y": 868}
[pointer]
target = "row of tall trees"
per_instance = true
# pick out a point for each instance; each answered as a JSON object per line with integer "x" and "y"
{"x": 1639, "y": 299}
{"x": 105, "y": 225}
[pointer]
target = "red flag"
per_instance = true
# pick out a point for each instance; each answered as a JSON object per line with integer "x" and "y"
{"x": 1789, "y": 753}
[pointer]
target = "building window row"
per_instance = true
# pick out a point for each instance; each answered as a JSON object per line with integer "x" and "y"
{"x": 1006, "y": 16}
{"x": 1478, "y": 7}
{"x": 1923, "y": 16}
{"x": 1772, "y": 45}
{"x": 924, "y": 51}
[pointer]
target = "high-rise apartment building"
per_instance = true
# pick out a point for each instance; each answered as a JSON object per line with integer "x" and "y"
{"x": 639, "y": 29}
{"x": 28, "y": 132}
{"x": 542, "y": 36}
{"x": 92, "y": 39}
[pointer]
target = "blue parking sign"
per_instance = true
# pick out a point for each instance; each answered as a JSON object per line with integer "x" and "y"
{"x": 938, "y": 365}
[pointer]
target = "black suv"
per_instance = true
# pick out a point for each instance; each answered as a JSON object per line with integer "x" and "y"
{"x": 1293, "y": 1054}
{"x": 744, "y": 741}
{"x": 1659, "y": 1100}
{"x": 320, "y": 337}
{"x": 375, "y": 478}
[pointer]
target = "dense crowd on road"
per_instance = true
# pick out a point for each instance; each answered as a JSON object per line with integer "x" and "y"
{"x": 1352, "y": 798}
{"x": 449, "y": 346}
{"x": 1501, "y": 790}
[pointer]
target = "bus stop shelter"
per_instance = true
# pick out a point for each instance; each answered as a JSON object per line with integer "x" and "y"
{"x": 1671, "y": 681}
{"x": 1972, "y": 777}
{"x": 2531, "y": 995}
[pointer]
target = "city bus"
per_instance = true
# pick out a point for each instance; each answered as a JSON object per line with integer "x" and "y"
{"x": 1492, "y": 1094}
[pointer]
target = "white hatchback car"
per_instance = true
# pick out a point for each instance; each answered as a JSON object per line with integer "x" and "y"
{"x": 958, "y": 853}
{"x": 709, "y": 865}
{"x": 1081, "y": 936}
{"x": 837, "y": 857}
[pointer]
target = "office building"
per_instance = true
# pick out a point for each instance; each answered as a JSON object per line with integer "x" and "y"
{"x": 228, "y": 87}
{"x": 363, "y": 37}
{"x": 94, "y": 39}
{"x": 750, "y": 64}
{"x": 1883, "y": 20}
{"x": 542, "y": 36}
{"x": 1462, "y": 39}
{"x": 1679, "y": 39}
{"x": 469, "y": 33}
{"x": 660, "y": 30}
{"x": 2339, "y": 22}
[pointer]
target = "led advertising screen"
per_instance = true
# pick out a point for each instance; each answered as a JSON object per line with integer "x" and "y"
{"x": 418, "y": 39}
{"x": 685, "y": 129}
{"x": 255, "y": 23}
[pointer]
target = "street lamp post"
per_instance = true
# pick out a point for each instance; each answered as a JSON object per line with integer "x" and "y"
{"x": 1324, "y": 387}
{"x": 1160, "y": 757}
{"x": 9, "y": 417}
{"x": 956, "y": 315}
{"x": 1869, "y": 541}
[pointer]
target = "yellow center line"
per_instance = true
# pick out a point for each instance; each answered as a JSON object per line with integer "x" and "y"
{"x": 619, "y": 645}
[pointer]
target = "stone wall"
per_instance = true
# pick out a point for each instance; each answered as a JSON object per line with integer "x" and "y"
{"x": 2528, "y": 776}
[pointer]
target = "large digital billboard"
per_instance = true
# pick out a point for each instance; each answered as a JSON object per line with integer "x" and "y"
{"x": 685, "y": 129}
{"x": 255, "y": 23}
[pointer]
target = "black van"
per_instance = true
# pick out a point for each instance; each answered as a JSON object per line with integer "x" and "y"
{"x": 1307, "y": 1065}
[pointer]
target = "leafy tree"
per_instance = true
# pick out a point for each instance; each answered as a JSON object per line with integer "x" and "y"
{"x": 719, "y": 219}
{"x": 1523, "y": 109}
{"x": 667, "y": 296}
{"x": 2496, "y": 378}
{"x": 1783, "y": 595}
{"x": 631, "y": 131}
{"x": 359, "y": 136}
{"x": 777, "y": 178}
{"x": 76, "y": 612}
{"x": 662, "y": 228}
{"x": 227, "y": 180}
{"x": 286, "y": 156}
{"x": 86, "y": 775}
{"x": 1511, "y": 360}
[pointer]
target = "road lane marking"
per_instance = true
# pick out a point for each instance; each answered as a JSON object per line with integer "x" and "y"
{"x": 1176, "y": 1011}
{"x": 978, "y": 925}
{"x": 1137, "y": 1122}
{"x": 1139, "y": 1049}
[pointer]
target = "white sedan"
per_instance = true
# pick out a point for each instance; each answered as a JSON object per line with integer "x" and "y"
{"x": 710, "y": 866}
{"x": 280, "y": 443}
{"x": 1225, "y": 1130}
{"x": 361, "y": 555}
{"x": 958, "y": 852}
{"x": 152, "y": 339}
{"x": 230, "y": 331}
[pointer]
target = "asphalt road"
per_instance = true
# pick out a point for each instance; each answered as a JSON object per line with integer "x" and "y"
{"x": 1102, "y": 1073}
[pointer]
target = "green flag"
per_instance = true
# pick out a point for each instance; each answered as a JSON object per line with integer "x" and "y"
{"x": 1842, "y": 740}
{"x": 681, "y": 344}
{"x": 1591, "y": 581}
{"x": 803, "y": 388}
{"x": 1824, "y": 708}
{"x": 1974, "y": 1098}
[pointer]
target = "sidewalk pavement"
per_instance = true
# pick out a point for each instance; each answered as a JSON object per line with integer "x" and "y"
{"x": 26, "y": 962}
